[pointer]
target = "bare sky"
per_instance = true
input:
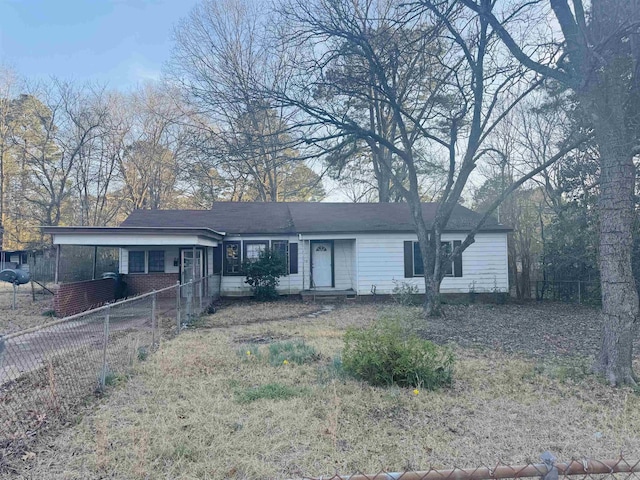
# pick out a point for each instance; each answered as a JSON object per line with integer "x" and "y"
{"x": 116, "y": 42}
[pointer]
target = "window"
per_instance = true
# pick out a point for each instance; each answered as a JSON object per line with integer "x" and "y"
{"x": 282, "y": 248}
{"x": 136, "y": 262}
{"x": 447, "y": 266}
{"x": 231, "y": 258}
{"x": 156, "y": 261}
{"x": 253, "y": 249}
{"x": 418, "y": 267}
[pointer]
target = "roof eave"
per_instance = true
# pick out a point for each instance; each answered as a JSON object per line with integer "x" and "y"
{"x": 133, "y": 230}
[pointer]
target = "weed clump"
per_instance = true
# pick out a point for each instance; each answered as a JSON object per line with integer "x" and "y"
{"x": 270, "y": 391}
{"x": 296, "y": 351}
{"x": 388, "y": 353}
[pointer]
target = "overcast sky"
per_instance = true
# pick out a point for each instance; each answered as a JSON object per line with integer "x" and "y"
{"x": 118, "y": 42}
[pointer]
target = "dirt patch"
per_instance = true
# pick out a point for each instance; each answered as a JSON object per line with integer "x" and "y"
{"x": 263, "y": 339}
{"x": 535, "y": 329}
{"x": 28, "y": 313}
{"x": 247, "y": 311}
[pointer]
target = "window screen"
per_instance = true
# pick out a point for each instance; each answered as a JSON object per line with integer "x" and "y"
{"x": 253, "y": 249}
{"x": 136, "y": 262}
{"x": 156, "y": 261}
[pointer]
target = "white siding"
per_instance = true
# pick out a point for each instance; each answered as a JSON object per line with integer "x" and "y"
{"x": 381, "y": 262}
{"x": 370, "y": 259}
{"x": 123, "y": 261}
{"x": 343, "y": 264}
{"x": 344, "y": 259}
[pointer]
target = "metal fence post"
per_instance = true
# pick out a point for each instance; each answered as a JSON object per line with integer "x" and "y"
{"x": 103, "y": 378}
{"x": 189, "y": 301}
{"x": 579, "y": 293}
{"x": 153, "y": 319}
{"x": 178, "y": 314}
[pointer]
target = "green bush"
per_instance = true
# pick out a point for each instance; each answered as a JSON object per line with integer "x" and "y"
{"x": 264, "y": 274}
{"x": 383, "y": 355}
{"x": 296, "y": 352}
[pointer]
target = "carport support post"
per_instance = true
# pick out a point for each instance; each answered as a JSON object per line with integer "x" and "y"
{"x": 95, "y": 262}
{"x": 193, "y": 282}
{"x": 153, "y": 319}
{"x": 178, "y": 319}
{"x": 103, "y": 378}
{"x": 57, "y": 274}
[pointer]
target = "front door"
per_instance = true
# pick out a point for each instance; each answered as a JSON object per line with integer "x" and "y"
{"x": 186, "y": 266}
{"x": 321, "y": 265}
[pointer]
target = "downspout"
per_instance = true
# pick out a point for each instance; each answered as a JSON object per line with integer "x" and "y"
{"x": 289, "y": 264}
{"x": 300, "y": 238}
{"x": 357, "y": 282}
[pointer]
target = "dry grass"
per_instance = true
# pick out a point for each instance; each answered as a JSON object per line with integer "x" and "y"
{"x": 246, "y": 311}
{"x": 28, "y": 313}
{"x": 180, "y": 418}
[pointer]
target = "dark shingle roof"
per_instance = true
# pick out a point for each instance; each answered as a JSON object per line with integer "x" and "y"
{"x": 304, "y": 217}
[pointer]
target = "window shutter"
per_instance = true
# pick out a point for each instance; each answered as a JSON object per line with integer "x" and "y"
{"x": 293, "y": 258}
{"x": 457, "y": 262}
{"x": 217, "y": 259}
{"x": 408, "y": 259}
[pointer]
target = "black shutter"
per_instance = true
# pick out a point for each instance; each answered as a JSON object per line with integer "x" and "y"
{"x": 408, "y": 259}
{"x": 217, "y": 259}
{"x": 457, "y": 262}
{"x": 293, "y": 258}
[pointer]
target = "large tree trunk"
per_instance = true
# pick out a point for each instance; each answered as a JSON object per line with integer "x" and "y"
{"x": 429, "y": 248}
{"x": 432, "y": 303}
{"x": 619, "y": 295}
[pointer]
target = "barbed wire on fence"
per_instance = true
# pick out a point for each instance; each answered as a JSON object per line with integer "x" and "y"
{"x": 47, "y": 371}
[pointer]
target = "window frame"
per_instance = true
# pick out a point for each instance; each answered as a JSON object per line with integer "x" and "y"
{"x": 286, "y": 252}
{"x": 144, "y": 261}
{"x": 225, "y": 258}
{"x": 452, "y": 266}
{"x": 149, "y": 270}
{"x": 247, "y": 243}
{"x": 416, "y": 249}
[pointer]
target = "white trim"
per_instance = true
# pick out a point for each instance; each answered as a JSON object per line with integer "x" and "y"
{"x": 124, "y": 240}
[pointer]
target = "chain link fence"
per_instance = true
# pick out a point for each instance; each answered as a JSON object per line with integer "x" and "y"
{"x": 548, "y": 470}
{"x": 569, "y": 291}
{"x": 46, "y": 372}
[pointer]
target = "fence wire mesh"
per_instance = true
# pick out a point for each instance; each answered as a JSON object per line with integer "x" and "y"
{"x": 46, "y": 372}
{"x": 618, "y": 469}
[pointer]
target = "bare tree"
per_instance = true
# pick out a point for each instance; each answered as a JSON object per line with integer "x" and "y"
{"x": 220, "y": 56}
{"x": 96, "y": 170}
{"x": 599, "y": 61}
{"x": 51, "y": 135}
{"x": 459, "y": 88}
{"x": 7, "y": 92}
{"x": 155, "y": 147}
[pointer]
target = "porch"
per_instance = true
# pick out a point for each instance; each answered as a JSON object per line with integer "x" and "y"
{"x": 149, "y": 259}
{"x": 329, "y": 267}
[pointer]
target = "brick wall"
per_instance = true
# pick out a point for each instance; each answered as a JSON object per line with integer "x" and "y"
{"x": 143, "y": 283}
{"x": 72, "y": 298}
